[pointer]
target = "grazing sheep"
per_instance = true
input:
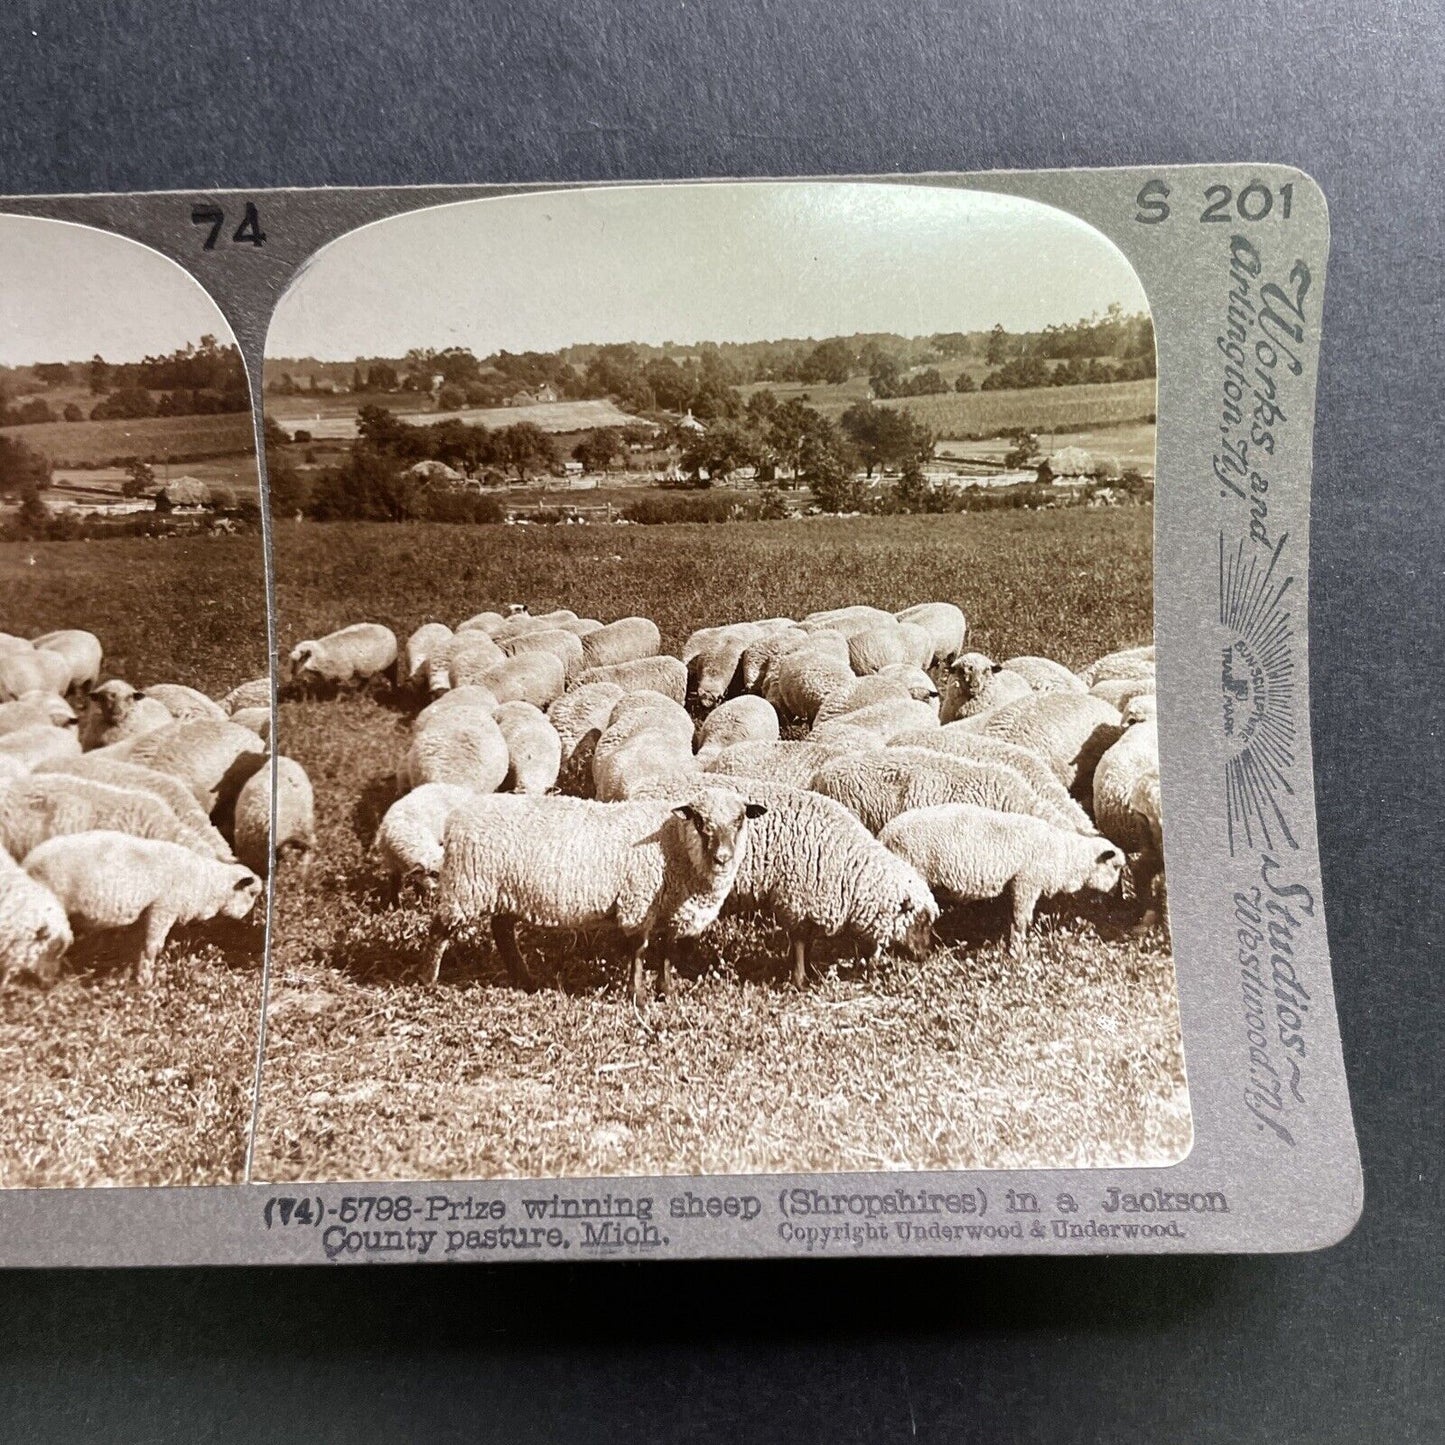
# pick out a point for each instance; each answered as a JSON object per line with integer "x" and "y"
{"x": 295, "y": 817}
{"x": 471, "y": 696}
{"x": 875, "y": 648}
{"x": 47, "y": 805}
{"x": 185, "y": 704}
{"x": 972, "y": 746}
{"x": 884, "y": 720}
{"x": 565, "y": 646}
{"x": 647, "y": 743}
{"x": 118, "y": 711}
{"x": 945, "y": 625}
{"x": 759, "y": 655}
{"x": 82, "y": 653}
{"x": 977, "y": 685}
{"x": 24, "y": 668}
{"x": 417, "y": 654}
{"x": 739, "y": 720}
{"x": 921, "y": 687}
{"x": 460, "y": 660}
{"x": 12, "y": 769}
{"x": 790, "y": 763}
{"x": 256, "y": 693}
{"x": 1043, "y": 674}
{"x": 1133, "y": 757}
{"x": 801, "y": 681}
{"x": 534, "y": 749}
{"x": 212, "y": 758}
{"x": 258, "y": 719}
{"x": 644, "y": 867}
{"x": 201, "y": 833}
{"x": 36, "y": 709}
{"x": 354, "y": 654}
{"x": 408, "y": 844}
{"x": 1129, "y": 662}
{"x": 880, "y": 785}
{"x": 1144, "y": 708}
{"x": 666, "y": 675}
{"x": 971, "y": 853}
{"x": 519, "y": 624}
{"x": 1069, "y": 731}
{"x": 1119, "y": 692}
{"x": 33, "y": 747}
{"x": 905, "y": 685}
{"x": 814, "y": 866}
{"x": 108, "y": 881}
{"x": 486, "y": 622}
{"x": 1148, "y": 867}
{"x": 626, "y": 640}
{"x": 852, "y": 617}
{"x": 34, "y": 931}
{"x": 714, "y": 669}
{"x": 535, "y": 677}
{"x": 843, "y": 735}
{"x": 463, "y": 746}
{"x": 582, "y": 710}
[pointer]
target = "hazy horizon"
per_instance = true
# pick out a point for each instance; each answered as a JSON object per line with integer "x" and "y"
{"x": 68, "y": 292}
{"x": 686, "y": 264}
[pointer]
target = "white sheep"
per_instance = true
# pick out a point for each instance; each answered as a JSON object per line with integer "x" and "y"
{"x": 212, "y": 758}
{"x": 255, "y": 693}
{"x": 472, "y": 696}
{"x": 35, "y": 746}
{"x": 626, "y": 640}
{"x": 1043, "y": 674}
{"x": 461, "y": 659}
{"x": 521, "y": 623}
{"x": 108, "y": 881}
{"x": 535, "y": 677}
{"x": 971, "y": 853}
{"x": 1148, "y": 867}
{"x": 408, "y": 843}
{"x": 884, "y": 720}
{"x": 647, "y": 743}
{"x": 667, "y": 675}
{"x": 417, "y": 654}
{"x": 814, "y": 866}
{"x": 714, "y": 668}
{"x": 1128, "y": 662}
{"x": 901, "y": 685}
{"x": 82, "y": 653}
{"x": 534, "y": 749}
{"x": 36, "y": 709}
{"x": 843, "y": 735}
{"x": 12, "y": 769}
{"x": 463, "y": 746}
{"x": 258, "y": 719}
{"x": 1144, "y": 708}
{"x": 1119, "y": 692}
{"x": 874, "y": 648}
{"x": 857, "y": 616}
{"x": 976, "y": 685}
{"x": 118, "y": 711}
{"x": 185, "y": 704}
{"x": 34, "y": 931}
{"x": 790, "y": 763}
{"x": 744, "y": 719}
{"x": 759, "y": 654}
{"x": 564, "y": 645}
{"x": 943, "y": 622}
{"x": 973, "y": 746}
{"x": 801, "y": 681}
{"x": 24, "y": 668}
{"x": 643, "y": 867}
{"x": 1069, "y": 731}
{"x": 582, "y": 710}
{"x": 201, "y": 833}
{"x": 487, "y": 622}
{"x": 880, "y": 785}
{"x": 354, "y": 654}
{"x": 1133, "y": 757}
{"x": 295, "y": 817}
{"x": 47, "y": 805}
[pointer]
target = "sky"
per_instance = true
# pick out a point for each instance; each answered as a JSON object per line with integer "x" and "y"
{"x": 68, "y": 292}
{"x": 686, "y": 263}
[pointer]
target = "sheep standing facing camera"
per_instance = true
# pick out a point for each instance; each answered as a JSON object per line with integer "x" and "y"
{"x": 646, "y": 867}
{"x": 977, "y": 685}
{"x": 119, "y": 711}
{"x": 970, "y": 853}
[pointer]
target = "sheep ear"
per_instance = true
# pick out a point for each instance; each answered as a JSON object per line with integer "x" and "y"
{"x": 1107, "y": 856}
{"x": 686, "y": 810}
{"x": 244, "y": 882}
{"x": 137, "y": 695}
{"x": 998, "y": 667}
{"x": 754, "y": 810}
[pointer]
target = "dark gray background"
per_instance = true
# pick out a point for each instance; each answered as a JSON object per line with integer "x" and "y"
{"x": 1344, "y": 1345}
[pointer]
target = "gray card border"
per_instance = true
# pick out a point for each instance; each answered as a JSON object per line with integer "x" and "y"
{"x": 1274, "y": 1165}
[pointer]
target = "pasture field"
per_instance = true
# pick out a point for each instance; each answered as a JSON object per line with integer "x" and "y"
{"x": 335, "y": 424}
{"x": 1039, "y": 409}
{"x": 1070, "y": 1056}
{"x": 1131, "y": 444}
{"x": 152, "y": 438}
{"x": 100, "y": 1082}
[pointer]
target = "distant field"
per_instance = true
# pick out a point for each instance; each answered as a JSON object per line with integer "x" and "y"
{"x": 1131, "y": 444}
{"x": 153, "y": 438}
{"x": 551, "y": 416}
{"x": 1042, "y": 409}
{"x": 102, "y": 1083}
{"x": 1070, "y": 1057}
{"x": 93, "y": 486}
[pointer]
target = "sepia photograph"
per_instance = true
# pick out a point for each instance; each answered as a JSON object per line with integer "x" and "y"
{"x": 135, "y": 705}
{"x": 717, "y": 728}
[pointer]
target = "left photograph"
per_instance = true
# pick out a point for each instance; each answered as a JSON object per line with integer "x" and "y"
{"x": 135, "y": 709}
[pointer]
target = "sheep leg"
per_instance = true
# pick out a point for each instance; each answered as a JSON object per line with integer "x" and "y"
{"x": 665, "y": 974}
{"x": 504, "y": 932}
{"x": 157, "y": 930}
{"x": 639, "y": 973}
{"x": 1025, "y": 900}
{"x": 800, "y": 960}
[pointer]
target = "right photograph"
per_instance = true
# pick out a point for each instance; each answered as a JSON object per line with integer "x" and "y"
{"x": 718, "y": 723}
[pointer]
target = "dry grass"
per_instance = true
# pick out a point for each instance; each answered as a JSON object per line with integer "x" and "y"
{"x": 94, "y": 443}
{"x": 971, "y": 1060}
{"x": 102, "y": 1082}
{"x": 1041, "y": 409}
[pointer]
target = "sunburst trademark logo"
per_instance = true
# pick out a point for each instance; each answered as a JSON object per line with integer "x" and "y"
{"x": 1256, "y": 648}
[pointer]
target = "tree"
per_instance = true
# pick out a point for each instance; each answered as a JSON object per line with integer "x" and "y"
{"x": 965, "y": 383}
{"x": 22, "y": 467}
{"x": 451, "y": 397}
{"x": 73, "y": 412}
{"x": 34, "y": 516}
{"x": 997, "y": 347}
{"x": 51, "y": 373}
{"x": 526, "y": 448}
{"x": 358, "y": 382}
{"x": 597, "y": 449}
{"x": 829, "y": 361}
{"x": 98, "y": 374}
{"x": 720, "y": 451}
{"x": 140, "y": 479}
{"x": 830, "y": 470}
{"x": 885, "y": 436}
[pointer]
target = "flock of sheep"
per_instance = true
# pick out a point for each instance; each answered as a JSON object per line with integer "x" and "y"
{"x": 556, "y": 776}
{"x": 125, "y": 812}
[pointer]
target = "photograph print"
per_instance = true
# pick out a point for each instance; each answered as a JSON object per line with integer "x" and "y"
{"x": 135, "y": 707}
{"x": 717, "y": 692}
